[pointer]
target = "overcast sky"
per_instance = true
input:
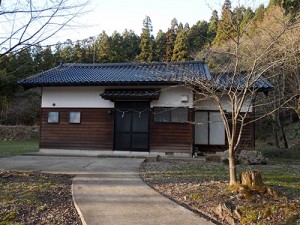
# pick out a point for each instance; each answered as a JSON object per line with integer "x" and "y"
{"x": 111, "y": 15}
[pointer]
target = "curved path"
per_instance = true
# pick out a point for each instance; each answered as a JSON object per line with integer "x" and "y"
{"x": 109, "y": 191}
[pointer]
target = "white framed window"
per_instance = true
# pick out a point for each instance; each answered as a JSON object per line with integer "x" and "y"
{"x": 209, "y": 128}
{"x": 53, "y": 117}
{"x": 75, "y": 117}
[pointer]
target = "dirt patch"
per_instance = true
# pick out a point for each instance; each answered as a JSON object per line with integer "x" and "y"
{"x": 19, "y": 132}
{"x": 36, "y": 198}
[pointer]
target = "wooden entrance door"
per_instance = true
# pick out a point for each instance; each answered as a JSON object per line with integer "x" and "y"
{"x": 132, "y": 126}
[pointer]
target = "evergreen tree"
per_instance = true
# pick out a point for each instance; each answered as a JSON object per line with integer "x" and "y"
{"x": 180, "y": 52}
{"x": 37, "y": 57}
{"x": 24, "y": 64}
{"x": 77, "y": 52}
{"x": 130, "y": 45}
{"x": 213, "y": 26}
{"x": 160, "y": 46}
{"x": 174, "y": 25}
{"x": 67, "y": 54}
{"x": 103, "y": 48}
{"x": 170, "y": 40}
{"x": 146, "y": 44}
{"x": 259, "y": 13}
{"x": 246, "y": 18}
{"x": 116, "y": 48}
{"x": 47, "y": 59}
{"x": 197, "y": 36}
{"x": 226, "y": 27}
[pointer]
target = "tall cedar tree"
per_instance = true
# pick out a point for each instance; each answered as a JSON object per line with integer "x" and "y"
{"x": 130, "y": 45}
{"x": 146, "y": 44}
{"x": 170, "y": 40}
{"x": 180, "y": 52}
{"x": 213, "y": 26}
{"x": 197, "y": 36}
{"x": 103, "y": 48}
{"x": 160, "y": 46}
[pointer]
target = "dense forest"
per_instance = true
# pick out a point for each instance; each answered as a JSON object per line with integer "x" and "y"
{"x": 213, "y": 40}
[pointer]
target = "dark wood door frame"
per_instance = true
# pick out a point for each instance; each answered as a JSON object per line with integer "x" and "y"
{"x": 132, "y": 126}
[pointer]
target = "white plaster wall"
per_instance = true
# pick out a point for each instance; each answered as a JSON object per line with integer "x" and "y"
{"x": 88, "y": 97}
{"x": 74, "y": 97}
{"x": 171, "y": 96}
{"x": 208, "y": 104}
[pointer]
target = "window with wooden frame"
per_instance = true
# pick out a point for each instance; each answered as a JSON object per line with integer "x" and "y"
{"x": 209, "y": 128}
{"x": 75, "y": 117}
{"x": 53, "y": 117}
{"x": 170, "y": 115}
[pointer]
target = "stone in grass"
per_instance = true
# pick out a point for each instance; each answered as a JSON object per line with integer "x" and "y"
{"x": 247, "y": 157}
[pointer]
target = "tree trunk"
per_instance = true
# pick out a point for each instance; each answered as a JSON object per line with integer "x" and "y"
{"x": 232, "y": 166}
{"x": 275, "y": 131}
{"x": 251, "y": 178}
{"x": 285, "y": 142}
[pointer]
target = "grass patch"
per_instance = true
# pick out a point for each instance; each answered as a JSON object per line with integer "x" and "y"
{"x": 9, "y": 148}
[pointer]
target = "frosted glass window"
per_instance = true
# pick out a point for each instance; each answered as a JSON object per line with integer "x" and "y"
{"x": 209, "y": 128}
{"x": 217, "y": 130}
{"x": 53, "y": 117}
{"x": 74, "y": 117}
{"x": 201, "y": 128}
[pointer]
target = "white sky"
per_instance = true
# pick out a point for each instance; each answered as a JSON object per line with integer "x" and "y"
{"x": 111, "y": 15}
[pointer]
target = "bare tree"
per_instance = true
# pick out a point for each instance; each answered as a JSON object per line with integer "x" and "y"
{"x": 25, "y": 23}
{"x": 239, "y": 80}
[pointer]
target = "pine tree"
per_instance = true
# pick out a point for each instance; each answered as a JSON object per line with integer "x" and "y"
{"x": 146, "y": 44}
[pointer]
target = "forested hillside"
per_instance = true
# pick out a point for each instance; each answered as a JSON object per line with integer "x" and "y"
{"x": 215, "y": 40}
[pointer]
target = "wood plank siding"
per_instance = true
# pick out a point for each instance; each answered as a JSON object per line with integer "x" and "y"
{"x": 171, "y": 137}
{"x": 95, "y": 132}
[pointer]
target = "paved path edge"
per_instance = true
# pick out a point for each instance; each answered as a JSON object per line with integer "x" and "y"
{"x": 76, "y": 206}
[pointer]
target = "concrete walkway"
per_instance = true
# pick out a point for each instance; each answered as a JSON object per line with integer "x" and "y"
{"x": 109, "y": 191}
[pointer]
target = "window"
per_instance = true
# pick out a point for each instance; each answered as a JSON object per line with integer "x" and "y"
{"x": 170, "y": 115}
{"x": 209, "y": 128}
{"x": 53, "y": 117}
{"x": 74, "y": 117}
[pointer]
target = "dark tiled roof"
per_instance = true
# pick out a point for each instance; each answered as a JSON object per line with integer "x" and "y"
{"x": 116, "y": 73}
{"x": 127, "y": 94}
{"x": 228, "y": 79}
{"x": 75, "y": 74}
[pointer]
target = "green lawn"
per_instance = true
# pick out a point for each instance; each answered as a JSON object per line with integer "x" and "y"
{"x": 17, "y": 147}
